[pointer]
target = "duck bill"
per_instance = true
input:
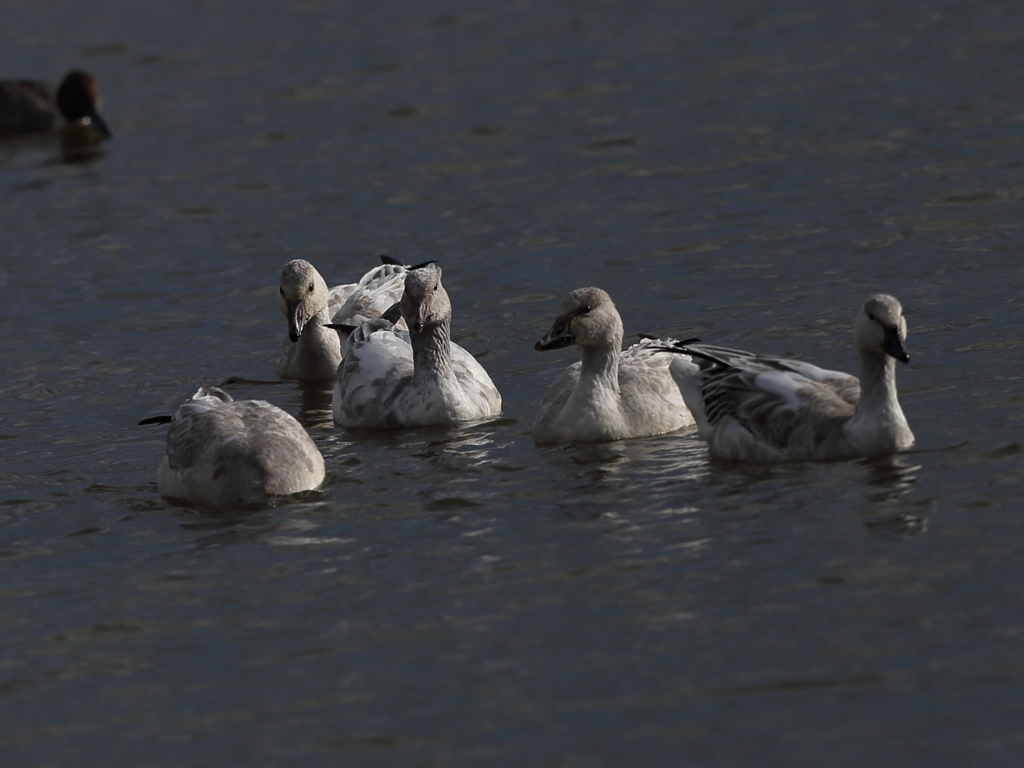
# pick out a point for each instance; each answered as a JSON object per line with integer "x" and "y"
{"x": 98, "y": 123}
{"x": 893, "y": 346}
{"x": 554, "y": 339}
{"x": 297, "y": 319}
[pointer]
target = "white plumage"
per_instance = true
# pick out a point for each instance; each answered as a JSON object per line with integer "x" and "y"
{"x": 757, "y": 408}
{"x": 394, "y": 380}
{"x": 226, "y": 453}
{"x": 312, "y": 350}
{"x": 611, "y": 394}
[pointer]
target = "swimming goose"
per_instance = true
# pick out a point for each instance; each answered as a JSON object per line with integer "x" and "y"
{"x": 226, "y": 453}
{"x": 390, "y": 380}
{"x": 754, "y": 408}
{"x": 313, "y": 350}
{"x": 611, "y": 394}
{"x": 29, "y": 106}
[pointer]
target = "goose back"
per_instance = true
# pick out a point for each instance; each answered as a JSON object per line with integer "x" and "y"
{"x": 226, "y": 453}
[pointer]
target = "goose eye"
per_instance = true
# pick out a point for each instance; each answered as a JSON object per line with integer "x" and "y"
{"x": 871, "y": 317}
{"x": 586, "y": 310}
{"x": 310, "y": 287}
{"x": 435, "y": 288}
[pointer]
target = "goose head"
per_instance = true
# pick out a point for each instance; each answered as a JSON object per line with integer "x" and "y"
{"x": 303, "y": 293}
{"x": 425, "y": 303}
{"x": 78, "y": 99}
{"x": 586, "y": 317}
{"x": 881, "y": 327}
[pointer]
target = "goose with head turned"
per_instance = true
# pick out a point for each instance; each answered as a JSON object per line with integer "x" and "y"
{"x": 313, "y": 350}
{"x": 757, "y": 408}
{"x": 235, "y": 453}
{"x": 30, "y": 106}
{"x": 391, "y": 380}
{"x": 610, "y": 394}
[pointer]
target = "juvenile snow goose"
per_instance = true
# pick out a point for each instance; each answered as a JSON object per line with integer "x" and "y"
{"x": 312, "y": 350}
{"x": 30, "y": 106}
{"x": 390, "y": 380}
{"x": 611, "y": 394}
{"x": 755, "y": 408}
{"x": 226, "y": 453}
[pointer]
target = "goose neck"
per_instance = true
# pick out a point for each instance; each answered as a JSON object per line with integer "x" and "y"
{"x": 877, "y": 382}
{"x": 600, "y": 368}
{"x": 431, "y": 353}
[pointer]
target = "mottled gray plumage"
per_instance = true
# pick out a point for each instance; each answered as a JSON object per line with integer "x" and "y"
{"x": 391, "y": 380}
{"x": 226, "y": 453}
{"x": 760, "y": 408}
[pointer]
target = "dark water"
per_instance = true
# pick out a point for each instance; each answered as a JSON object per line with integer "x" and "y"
{"x": 747, "y": 172}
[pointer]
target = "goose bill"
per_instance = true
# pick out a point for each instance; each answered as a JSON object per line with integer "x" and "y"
{"x": 556, "y": 338}
{"x": 893, "y": 345}
{"x": 422, "y": 314}
{"x": 297, "y": 319}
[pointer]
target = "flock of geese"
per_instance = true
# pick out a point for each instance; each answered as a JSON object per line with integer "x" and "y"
{"x": 385, "y": 344}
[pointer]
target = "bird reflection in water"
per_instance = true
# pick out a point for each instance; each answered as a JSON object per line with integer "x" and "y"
{"x": 80, "y": 144}
{"x": 644, "y": 463}
{"x": 894, "y": 476}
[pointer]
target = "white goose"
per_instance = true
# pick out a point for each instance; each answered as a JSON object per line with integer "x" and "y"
{"x": 611, "y": 394}
{"x": 313, "y": 350}
{"x": 390, "y": 380}
{"x": 754, "y": 408}
{"x": 226, "y": 453}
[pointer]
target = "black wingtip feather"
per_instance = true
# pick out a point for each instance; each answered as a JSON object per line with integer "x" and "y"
{"x": 424, "y": 264}
{"x": 156, "y": 420}
{"x": 385, "y": 259}
{"x": 674, "y": 346}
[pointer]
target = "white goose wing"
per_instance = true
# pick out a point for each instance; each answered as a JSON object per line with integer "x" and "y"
{"x": 338, "y": 296}
{"x": 376, "y": 292}
{"x": 756, "y": 406}
{"x": 482, "y": 398}
{"x": 650, "y": 396}
{"x": 376, "y": 364}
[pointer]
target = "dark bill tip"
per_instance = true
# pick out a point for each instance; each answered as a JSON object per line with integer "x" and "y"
{"x": 99, "y": 124}
{"x": 893, "y": 345}
{"x": 156, "y": 420}
{"x": 558, "y": 342}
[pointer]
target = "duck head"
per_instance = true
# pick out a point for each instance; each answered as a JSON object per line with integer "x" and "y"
{"x": 78, "y": 99}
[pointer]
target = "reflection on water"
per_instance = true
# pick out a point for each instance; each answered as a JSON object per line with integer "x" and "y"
{"x": 894, "y": 475}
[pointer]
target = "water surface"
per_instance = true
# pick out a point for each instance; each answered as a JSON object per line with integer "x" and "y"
{"x": 741, "y": 171}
